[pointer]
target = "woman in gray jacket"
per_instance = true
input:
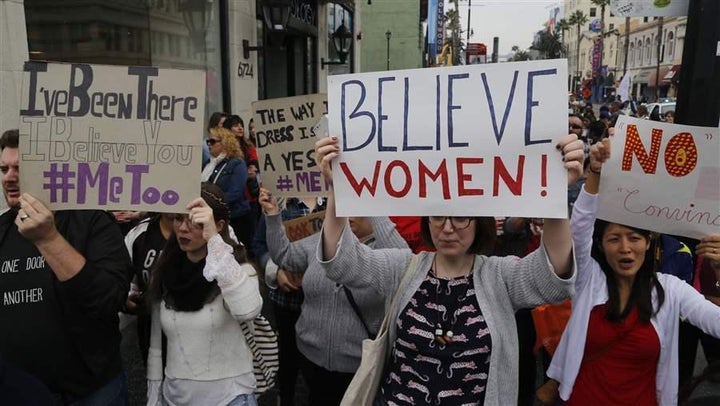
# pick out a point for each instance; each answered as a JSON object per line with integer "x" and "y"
{"x": 453, "y": 338}
{"x": 334, "y": 318}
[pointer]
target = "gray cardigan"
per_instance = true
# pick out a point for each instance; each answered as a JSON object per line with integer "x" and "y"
{"x": 329, "y": 332}
{"x": 502, "y": 285}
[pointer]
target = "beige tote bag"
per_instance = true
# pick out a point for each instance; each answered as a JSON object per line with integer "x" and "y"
{"x": 365, "y": 383}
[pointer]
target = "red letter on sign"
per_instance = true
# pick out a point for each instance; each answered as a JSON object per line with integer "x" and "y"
{"x": 408, "y": 179}
{"x": 681, "y": 155}
{"x": 500, "y": 171}
{"x": 442, "y": 172}
{"x": 364, "y": 184}
{"x": 634, "y": 146}
{"x": 462, "y": 177}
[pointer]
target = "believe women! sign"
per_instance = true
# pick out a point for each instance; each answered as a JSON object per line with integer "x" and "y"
{"x": 468, "y": 140}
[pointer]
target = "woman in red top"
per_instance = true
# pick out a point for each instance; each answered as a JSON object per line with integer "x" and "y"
{"x": 620, "y": 345}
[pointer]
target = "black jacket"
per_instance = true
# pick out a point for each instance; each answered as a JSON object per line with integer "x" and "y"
{"x": 66, "y": 334}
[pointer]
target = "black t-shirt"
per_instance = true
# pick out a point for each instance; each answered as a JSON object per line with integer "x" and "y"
{"x": 65, "y": 334}
{"x": 146, "y": 250}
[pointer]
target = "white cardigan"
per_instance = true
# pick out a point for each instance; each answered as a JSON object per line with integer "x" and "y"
{"x": 681, "y": 300}
{"x": 194, "y": 352}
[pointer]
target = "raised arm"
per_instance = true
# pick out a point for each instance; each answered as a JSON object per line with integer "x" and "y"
{"x": 291, "y": 256}
{"x": 327, "y": 149}
{"x": 238, "y": 283}
{"x": 386, "y": 235}
{"x": 556, "y": 232}
{"x": 582, "y": 221}
{"x": 96, "y": 278}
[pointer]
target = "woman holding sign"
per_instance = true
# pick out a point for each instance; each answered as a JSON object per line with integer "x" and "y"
{"x": 452, "y": 334}
{"x": 200, "y": 292}
{"x": 621, "y": 343}
{"x": 334, "y": 319}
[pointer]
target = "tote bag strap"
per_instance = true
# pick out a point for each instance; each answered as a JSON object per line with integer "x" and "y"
{"x": 412, "y": 266}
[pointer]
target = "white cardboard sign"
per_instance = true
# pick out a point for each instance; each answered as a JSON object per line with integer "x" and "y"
{"x": 663, "y": 177}
{"x": 473, "y": 140}
{"x": 111, "y": 137}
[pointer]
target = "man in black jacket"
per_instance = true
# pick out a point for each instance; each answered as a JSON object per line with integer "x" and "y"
{"x": 63, "y": 279}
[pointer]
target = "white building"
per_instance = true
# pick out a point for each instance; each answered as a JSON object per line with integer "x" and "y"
{"x": 642, "y": 54}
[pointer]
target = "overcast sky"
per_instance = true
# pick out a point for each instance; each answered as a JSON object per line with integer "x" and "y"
{"x": 514, "y": 21}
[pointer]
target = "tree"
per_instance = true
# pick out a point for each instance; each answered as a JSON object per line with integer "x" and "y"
{"x": 548, "y": 45}
{"x": 452, "y": 24}
{"x": 519, "y": 54}
{"x": 578, "y": 19}
{"x": 562, "y": 26}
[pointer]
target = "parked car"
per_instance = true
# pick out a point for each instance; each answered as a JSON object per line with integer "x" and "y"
{"x": 658, "y": 110}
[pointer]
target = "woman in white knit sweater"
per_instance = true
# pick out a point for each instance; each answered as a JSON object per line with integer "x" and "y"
{"x": 200, "y": 292}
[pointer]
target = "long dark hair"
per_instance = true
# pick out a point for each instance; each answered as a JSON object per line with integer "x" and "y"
{"x": 245, "y": 145}
{"x": 645, "y": 280}
{"x": 215, "y": 198}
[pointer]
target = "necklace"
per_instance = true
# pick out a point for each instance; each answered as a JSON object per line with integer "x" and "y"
{"x": 444, "y": 333}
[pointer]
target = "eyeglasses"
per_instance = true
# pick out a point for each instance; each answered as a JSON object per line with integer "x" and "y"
{"x": 180, "y": 219}
{"x": 212, "y": 141}
{"x": 575, "y": 127}
{"x": 457, "y": 223}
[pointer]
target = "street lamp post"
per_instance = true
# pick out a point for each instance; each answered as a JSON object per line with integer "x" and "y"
{"x": 467, "y": 41}
{"x": 659, "y": 53}
{"x": 388, "y": 35}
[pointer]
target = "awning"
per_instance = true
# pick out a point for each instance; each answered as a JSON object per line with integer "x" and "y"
{"x": 672, "y": 73}
{"x": 652, "y": 80}
{"x": 643, "y": 76}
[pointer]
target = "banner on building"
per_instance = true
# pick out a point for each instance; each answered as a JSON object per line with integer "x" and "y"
{"x": 432, "y": 30}
{"x": 285, "y": 134}
{"x": 663, "y": 177}
{"x": 596, "y": 55}
{"x": 474, "y": 140}
{"x": 111, "y": 137}
{"x": 649, "y": 8}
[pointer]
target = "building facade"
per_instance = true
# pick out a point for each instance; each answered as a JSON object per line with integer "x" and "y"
{"x": 651, "y": 64}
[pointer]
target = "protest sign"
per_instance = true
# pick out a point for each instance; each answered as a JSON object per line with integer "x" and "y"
{"x": 476, "y": 140}
{"x": 285, "y": 136}
{"x": 111, "y": 137}
{"x": 301, "y": 227}
{"x": 662, "y": 177}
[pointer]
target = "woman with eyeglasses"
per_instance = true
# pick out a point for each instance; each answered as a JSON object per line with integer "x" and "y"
{"x": 200, "y": 292}
{"x": 228, "y": 169}
{"x": 453, "y": 337}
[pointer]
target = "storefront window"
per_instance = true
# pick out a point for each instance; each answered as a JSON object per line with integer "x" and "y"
{"x": 160, "y": 33}
{"x": 286, "y": 62}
